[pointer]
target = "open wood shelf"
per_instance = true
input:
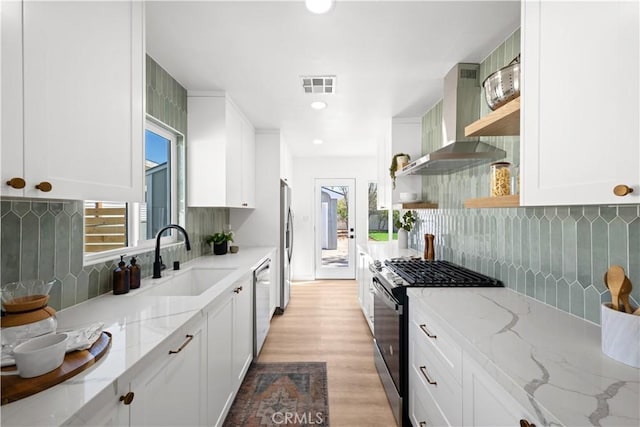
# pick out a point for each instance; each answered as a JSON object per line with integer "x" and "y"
{"x": 505, "y": 121}
{"x": 419, "y": 205}
{"x": 511, "y": 201}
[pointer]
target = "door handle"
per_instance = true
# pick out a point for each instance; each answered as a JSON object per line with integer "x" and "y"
{"x": 351, "y": 236}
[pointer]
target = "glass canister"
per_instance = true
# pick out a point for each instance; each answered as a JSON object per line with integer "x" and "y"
{"x": 500, "y": 179}
{"x": 515, "y": 179}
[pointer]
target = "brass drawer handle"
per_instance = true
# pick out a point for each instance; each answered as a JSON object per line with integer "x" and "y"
{"x": 525, "y": 423}
{"x": 423, "y": 369}
{"x": 186, "y": 343}
{"x": 429, "y": 334}
{"x": 127, "y": 398}
{"x": 423, "y": 424}
{"x": 44, "y": 186}
{"x": 238, "y": 289}
{"x": 622, "y": 190}
{"x": 17, "y": 183}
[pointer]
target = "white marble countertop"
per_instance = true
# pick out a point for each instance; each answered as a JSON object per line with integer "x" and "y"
{"x": 550, "y": 361}
{"x": 386, "y": 250}
{"x": 138, "y": 325}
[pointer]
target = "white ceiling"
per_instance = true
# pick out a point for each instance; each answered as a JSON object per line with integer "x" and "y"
{"x": 389, "y": 57}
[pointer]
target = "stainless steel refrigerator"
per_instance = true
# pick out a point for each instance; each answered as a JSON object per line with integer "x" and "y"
{"x": 286, "y": 245}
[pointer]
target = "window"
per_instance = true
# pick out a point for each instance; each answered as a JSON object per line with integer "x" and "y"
{"x": 378, "y": 220}
{"x": 111, "y": 226}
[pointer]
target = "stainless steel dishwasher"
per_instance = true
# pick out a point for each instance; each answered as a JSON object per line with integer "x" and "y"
{"x": 261, "y": 302}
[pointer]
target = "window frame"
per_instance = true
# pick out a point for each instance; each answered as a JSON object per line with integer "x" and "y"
{"x": 134, "y": 245}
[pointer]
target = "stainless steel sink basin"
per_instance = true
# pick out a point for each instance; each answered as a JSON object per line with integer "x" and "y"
{"x": 191, "y": 282}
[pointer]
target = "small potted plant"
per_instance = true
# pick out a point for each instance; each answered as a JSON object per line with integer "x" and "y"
{"x": 398, "y": 161}
{"x": 219, "y": 241}
{"x": 404, "y": 225}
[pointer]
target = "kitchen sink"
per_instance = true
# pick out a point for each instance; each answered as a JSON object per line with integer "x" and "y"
{"x": 190, "y": 282}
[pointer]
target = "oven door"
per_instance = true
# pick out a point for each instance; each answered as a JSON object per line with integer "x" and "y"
{"x": 387, "y": 313}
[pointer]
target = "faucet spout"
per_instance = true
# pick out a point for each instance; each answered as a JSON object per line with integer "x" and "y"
{"x": 157, "y": 261}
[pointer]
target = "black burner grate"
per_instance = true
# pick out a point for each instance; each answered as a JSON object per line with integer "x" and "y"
{"x": 419, "y": 272}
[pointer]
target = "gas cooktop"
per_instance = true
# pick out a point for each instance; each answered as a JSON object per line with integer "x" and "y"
{"x": 418, "y": 272}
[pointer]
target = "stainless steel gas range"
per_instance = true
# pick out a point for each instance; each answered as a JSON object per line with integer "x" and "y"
{"x": 390, "y": 281}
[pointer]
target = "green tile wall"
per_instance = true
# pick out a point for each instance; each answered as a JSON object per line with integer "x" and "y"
{"x": 44, "y": 238}
{"x": 557, "y": 255}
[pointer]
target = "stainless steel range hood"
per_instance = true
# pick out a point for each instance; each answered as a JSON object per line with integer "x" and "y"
{"x": 460, "y": 107}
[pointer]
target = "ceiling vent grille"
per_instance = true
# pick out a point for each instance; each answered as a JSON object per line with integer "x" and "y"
{"x": 318, "y": 84}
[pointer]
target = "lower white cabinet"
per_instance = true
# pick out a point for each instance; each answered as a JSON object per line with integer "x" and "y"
{"x": 486, "y": 403}
{"x": 230, "y": 347}
{"x": 220, "y": 359}
{"x": 173, "y": 391}
{"x": 449, "y": 388}
{"x": 365, "y": 289}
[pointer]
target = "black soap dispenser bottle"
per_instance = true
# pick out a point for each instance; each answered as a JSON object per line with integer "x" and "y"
{"x": 121, "y": 278}
{"x": 134, "y": 274}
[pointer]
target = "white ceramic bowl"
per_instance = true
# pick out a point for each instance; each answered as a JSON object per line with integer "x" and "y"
{"x": 408, "y": 197}
{"x": 40, "y": 355}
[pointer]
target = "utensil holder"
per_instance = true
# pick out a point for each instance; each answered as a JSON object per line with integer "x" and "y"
{"x": 620, "y": 335}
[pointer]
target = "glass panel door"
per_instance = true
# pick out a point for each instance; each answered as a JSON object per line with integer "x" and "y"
{"x": 335, "y": 229}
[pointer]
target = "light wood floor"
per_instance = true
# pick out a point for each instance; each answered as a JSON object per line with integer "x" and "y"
{"x": 323, "y": 323}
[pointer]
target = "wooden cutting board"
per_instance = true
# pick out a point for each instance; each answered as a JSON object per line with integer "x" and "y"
{"x": 15, "y": 387}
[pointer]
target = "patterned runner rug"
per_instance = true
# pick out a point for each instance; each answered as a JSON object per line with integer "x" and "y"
{"x": 282, "y": 394}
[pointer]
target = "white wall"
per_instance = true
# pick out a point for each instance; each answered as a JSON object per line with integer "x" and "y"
{"x": 305, "y": 171}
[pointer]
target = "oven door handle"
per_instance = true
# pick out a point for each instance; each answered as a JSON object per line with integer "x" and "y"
{"x": 388, "y": 300}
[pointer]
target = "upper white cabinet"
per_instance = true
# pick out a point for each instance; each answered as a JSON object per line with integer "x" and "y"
{"x": 221, "y": 153}
{"x": 384, "y": 180}
{"x": 580, "y": 104}
{"x": 406, "y": 137}
{"x": 72, "y": 100}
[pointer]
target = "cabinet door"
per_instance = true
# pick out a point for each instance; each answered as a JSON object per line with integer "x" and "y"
{"x": 242, "y": 330}
{"x": 173, "y": 390}
{"x": 11, "y": 39}
{"x": 488, "y": 404}
{"x": 233, "y": 121}
{"x": 219, "y": 361}
{"x": 248, "y": 165}
{"x": 384, "y": 180}
{"x": 581, "y": 77}
{"x": 83, "y": 99}
{"x": 106, "y": 410}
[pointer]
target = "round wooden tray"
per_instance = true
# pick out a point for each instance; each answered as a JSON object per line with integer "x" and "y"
{"x": 15, "y": 387}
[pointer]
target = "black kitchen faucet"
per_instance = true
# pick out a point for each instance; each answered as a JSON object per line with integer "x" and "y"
{"x": 158, "y": 266}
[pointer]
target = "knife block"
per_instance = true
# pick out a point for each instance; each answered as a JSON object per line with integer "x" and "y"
{"x": 620, "y": 335}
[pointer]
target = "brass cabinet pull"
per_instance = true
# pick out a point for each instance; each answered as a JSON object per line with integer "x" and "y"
{"x": 423, "y": 424}
{"x": 44, "y": 186}
{"x": 186, "y": 343}
{"x": 238, "y": 289}
{"x": 429, "y": 334}
{"x": 423, "y": 369}
{"x": 16, "y": 183}
{"x": 127, "y": 398}
{"x": 622, "y": 190}
{"x": 525, "y": 423}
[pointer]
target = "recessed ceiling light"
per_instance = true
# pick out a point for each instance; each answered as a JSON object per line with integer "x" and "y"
{"x": 319, "y": 6}
{"x": 318, "y": 105}
{"x": 317, "y": 141}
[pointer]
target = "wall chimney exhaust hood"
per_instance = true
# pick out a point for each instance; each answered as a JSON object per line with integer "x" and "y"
{"x": 460, "y": 107}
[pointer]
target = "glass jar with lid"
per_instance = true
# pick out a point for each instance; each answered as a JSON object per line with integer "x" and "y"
{"x": 500, "y": 179}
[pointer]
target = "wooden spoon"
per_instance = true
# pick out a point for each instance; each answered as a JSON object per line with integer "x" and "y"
{"x": 624, "y": 295}
{"x": 615, "y": 282}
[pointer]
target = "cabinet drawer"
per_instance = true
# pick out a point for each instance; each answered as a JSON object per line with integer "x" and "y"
{"x": 437, "y": 405}
{"x": 441, "y": 348}
{"x": 433, "y": 376}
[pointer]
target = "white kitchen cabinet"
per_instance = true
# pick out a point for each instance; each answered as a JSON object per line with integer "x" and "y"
{"x": 105, "y": 411}
{"x": 365, "y": 290}
{"x": 230, "y": 347}
{"x": 580, "y": 104}
{"x": 486, "y": 403}
{"x": 220, "y": 359}
{"x": 221, "y": 154}
{"x": 242, "y": 329}
{"x": 173, "y": 390}
{"x": 384, "y": 180}
{"x": 72, "y": 106}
